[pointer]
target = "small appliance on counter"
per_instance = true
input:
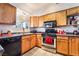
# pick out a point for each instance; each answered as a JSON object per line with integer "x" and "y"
{"x": 60, "y": 31}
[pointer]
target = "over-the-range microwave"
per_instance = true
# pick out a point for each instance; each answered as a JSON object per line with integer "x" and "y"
{"x": 50, "y": 24}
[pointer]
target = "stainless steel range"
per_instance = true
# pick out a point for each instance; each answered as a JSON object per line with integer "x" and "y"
{"x": 49, "y": 37}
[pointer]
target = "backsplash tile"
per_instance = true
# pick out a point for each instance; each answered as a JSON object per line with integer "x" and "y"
{"x": 68, "y": 28}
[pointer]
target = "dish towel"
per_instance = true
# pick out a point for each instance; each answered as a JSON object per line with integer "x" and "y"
{"x": 49, "y": 40}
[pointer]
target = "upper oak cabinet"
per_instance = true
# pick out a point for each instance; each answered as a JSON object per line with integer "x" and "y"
{"x": 41, "y": 21}
{"x": 34, "y": 21}
{"x": 1, "y": 13}
{"x": 61, "y": 18}
{"x": 7, "y": 14}
{"x": 72, "y": 11}
{"x": 49, "y": 17}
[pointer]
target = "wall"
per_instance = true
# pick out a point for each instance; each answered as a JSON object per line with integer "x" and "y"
{"x": 68, "y": 28}
{"x": 40, "y": 29}
{"x": 20, "y": 18}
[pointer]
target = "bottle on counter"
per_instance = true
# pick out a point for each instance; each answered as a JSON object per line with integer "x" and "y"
{"x": 9, "y": 33}
{"x": 60, "y": 31}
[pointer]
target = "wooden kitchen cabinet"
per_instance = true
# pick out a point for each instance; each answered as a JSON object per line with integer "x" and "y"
{"x": 41, "y": 21}
{"x": 30, "y": 41}
{"x": 77, "y": 9}
{"x": 74, "y": 46}
{"x": 62, "y": 45}
{"x": 34, "y": 21}
{"x": 25, "y": 44}
{"x": 1, "y": 12}
{"x": 45, "y": 17}
{"x": 8, "y": 14}
{"x": 72, "y": 11}
{"x": 61, "y": 18}
{"x": 49, "y": 17}
{"x": 39, "y": 40}
{"x": 33, "y": 40}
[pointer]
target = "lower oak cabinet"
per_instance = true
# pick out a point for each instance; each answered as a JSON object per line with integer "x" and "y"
{"x": 74, "y": 46}
{"x": 62, "y": 45}
{"x": 30, "y": 41}
{"x": 39, "y": 40}
{"x": 68, "y": 45}
{"x": 25, "y": 44}
{"x": 33, "y": 40}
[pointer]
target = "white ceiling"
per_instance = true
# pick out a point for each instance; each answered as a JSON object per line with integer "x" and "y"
{"x": 34, "y": 9}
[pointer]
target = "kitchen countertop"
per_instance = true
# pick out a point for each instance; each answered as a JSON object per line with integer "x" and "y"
{"x": 64, "y": 34}
{"x": 67, "y": 35}
{"x": 36, "y": 33}
{"x": 17, "y": 35}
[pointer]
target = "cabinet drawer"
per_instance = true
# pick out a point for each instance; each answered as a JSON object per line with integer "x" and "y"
{"x": 39, "y": 36}
{"x": 33, "y": 35}
{"x": 25, "y": 37}
{"x": 62, "y": 37}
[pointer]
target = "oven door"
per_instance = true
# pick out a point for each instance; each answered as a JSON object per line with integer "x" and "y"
{"x": 49, "y": 41}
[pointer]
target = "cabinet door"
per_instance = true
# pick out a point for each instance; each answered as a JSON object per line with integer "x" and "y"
{"x": 28, "y": 43}
{"x": 25, "y": 44}
{"x": 74, "y": 46}
{"x": 49, "y": 17}
{"x": 61, "y": 18}
{"x": 13, "y": 15}
{"x": 39, "y": 40}
{"x": 72, "y": 11}
{"x": 34, "y": 22}
{"x": 41, "y": 21}
{"x": 9, "y": 14}
{"x": 59, "y": 45}
{"x": 1, "y": 13}
{"x": 45, "y": 17}
{"x": 31, "y": 22}
{"x": 65, "y": 46}
{"x": 33, "y": 41}
{"x": 77, "y": 9}
{"x": 62, "y": 45}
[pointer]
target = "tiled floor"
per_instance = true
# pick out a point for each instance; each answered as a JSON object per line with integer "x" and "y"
{"x": 40, "y": 52}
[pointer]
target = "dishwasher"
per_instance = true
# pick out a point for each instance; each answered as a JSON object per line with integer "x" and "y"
{"x": 1, "y": 50}
{"x": 12, "y": 46}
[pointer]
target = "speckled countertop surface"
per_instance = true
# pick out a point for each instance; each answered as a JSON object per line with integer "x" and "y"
{"x": 18, "y": 35}
{"x": 37, "y": 33}
{"x": 67, "y": 35}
